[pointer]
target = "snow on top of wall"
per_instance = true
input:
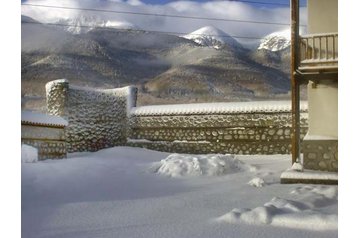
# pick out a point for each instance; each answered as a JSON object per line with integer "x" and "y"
{"x": 49, "y": 85}
{"x": 186, "y": 165}
{"x": 85, "y": 88}
{"x": 103, "y": 90}
{"x": 128, "y": 89}
{"x": 219, "y": 108}
{"x": 36, "y": 118}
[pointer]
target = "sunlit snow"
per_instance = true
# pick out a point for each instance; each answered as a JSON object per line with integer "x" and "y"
{"x": 116, "y": 193}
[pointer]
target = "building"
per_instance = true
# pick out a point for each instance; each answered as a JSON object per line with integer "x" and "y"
{"x": 44, "y": 132}
{"x": 315, "y": 64}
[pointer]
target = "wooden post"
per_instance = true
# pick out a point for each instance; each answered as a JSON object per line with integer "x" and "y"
{"x": 295, "y": 86}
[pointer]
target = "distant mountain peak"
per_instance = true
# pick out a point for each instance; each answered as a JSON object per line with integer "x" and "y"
{"x": 83, "y": 24}
{"x": 276, "y": 41}
{"x": 27, "y": 19}
{"x": 211, "y": 36}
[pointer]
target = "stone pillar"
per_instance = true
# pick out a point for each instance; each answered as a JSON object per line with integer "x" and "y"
{"x": 56, "y": 97}
{"x": 320, "y": 154}
{"x": 320, "y": 145}
{"x": 97, "y": 118}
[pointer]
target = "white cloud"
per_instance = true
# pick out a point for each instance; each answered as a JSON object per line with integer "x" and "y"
{"x": 211, "y": 9}
{"x": 134, "y": 2}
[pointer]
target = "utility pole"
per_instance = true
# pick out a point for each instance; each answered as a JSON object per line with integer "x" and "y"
{"x": 295, "y": 85}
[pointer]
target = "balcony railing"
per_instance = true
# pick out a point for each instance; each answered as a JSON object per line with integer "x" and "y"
{"x": 319, "y": 52}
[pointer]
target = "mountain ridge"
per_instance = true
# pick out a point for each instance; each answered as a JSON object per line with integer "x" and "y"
{"x": 165, "y": 68}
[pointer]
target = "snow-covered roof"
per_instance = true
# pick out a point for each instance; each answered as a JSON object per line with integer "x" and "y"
{"x": 217, "y": 108}
{"x": 35, "y": 118}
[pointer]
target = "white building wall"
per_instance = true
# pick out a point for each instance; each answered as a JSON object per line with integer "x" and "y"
{"x": 323, "y": 109}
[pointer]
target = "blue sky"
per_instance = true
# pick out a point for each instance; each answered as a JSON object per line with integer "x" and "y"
{"x": 160, "y": 2}
{"x": 303, "y": 2}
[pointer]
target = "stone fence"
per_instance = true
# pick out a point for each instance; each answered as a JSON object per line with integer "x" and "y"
{"x": 105, "y": 118}
{"x": 238, "y": 128}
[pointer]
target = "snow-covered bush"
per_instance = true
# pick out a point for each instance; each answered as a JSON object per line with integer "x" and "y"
{"x": 256, "y": 182}
{"x": 180, "y": 165}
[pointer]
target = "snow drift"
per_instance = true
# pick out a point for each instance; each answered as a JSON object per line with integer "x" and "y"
{"x": 299, "y": 213}
{"x": 28, "y": 154}
{"x": 257, "y": 182}
{"x": 182, "y": 165}
{"x": 107, "y": 194}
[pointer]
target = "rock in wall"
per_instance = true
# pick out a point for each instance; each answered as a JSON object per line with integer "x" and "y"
{"x": 320, "y": 155}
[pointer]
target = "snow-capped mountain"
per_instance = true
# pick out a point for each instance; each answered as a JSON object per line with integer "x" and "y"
{"x": 83, "y": 24}
{"x": 165, "y": 68}
{"x": 212, "y": 37}
{"x": 276, "y": 41}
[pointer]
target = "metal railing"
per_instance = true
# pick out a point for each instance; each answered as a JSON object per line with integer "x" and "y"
{"x": 319, "y": 50}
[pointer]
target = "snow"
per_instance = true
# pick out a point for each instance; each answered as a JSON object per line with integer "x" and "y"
{"x": 256, "y": 182}
{"x": 210, "y": 108}
{"x": 319, "y": 137}
{"x": 28, "y": 154}
{"x": 120, "y": 25}
{"x": 297, "y": 212}
{"x": 213, "y": 37}
{"x": 309, "y": 174}
{"x": 193, "y": 142}
{"x": 111, "y": 193}
{"x": 83, "y": 24}
{"x": 139, "y": 141}
{"x": 276, "y": 41}
{"x": 129, "y": 140}
{"x": 131, "y": 98}
{"x": 50, "y": 84}
{"x": 297, "y": 166}
{"x": 42, "y": 119}
{"x": 184, "y": 165}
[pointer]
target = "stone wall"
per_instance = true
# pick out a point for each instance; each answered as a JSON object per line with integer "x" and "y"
{"x": 320, "y": 154}
{"x": 105, "y": 118}
{"x": 97, "y": 118}
{"x": 239, "y": 128}
{"x": 49, "y": 141}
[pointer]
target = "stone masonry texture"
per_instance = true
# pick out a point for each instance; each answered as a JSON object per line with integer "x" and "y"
{"x": 96, "y": 118}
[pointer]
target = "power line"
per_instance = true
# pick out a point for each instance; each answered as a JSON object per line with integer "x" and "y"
{"x": 263, "y": 3}
{"x": 158, "y": 15}
{"x": 144, "y": 31}
{"x": 266, "y": 3}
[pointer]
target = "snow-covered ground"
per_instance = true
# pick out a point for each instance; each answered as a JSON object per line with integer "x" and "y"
{"x": 133, "y": 192}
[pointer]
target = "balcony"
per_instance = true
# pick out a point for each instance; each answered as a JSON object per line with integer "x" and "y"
{"x": 318, "y": 53}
